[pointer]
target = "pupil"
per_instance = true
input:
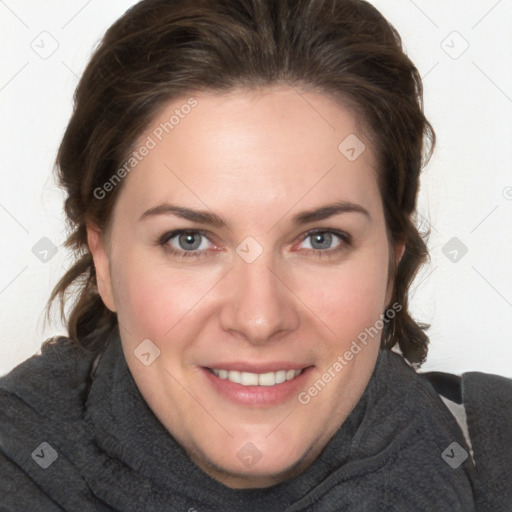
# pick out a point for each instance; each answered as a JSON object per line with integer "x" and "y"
{"x": 324, "y": 239}
{"x": 187, "y": 241}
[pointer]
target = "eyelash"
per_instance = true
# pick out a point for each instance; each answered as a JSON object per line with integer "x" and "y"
{"x": 345, "y": 238}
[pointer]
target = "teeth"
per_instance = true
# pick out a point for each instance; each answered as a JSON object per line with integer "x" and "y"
{"x": 248, "y": 379}
{"x": 280, "y": 376}
{"x": 234, "y": 376}
{"x": 267, "y": 379}
{"x": 257, "y": 379}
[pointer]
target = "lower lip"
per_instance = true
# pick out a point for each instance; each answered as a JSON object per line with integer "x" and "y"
{"x": 258, "y": 396}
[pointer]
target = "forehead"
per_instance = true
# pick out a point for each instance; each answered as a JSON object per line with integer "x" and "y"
{"x": 262, "y": 149}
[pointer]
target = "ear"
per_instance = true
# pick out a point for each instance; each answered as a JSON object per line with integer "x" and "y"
{"x": 101, "y": 260}
{"x": 397, "y": 253}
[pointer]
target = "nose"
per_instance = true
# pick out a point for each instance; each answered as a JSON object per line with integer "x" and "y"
{"x": 259, "y": 305}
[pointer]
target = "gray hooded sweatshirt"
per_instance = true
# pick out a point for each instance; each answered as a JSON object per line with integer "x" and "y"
{"x": 76, "y": 435}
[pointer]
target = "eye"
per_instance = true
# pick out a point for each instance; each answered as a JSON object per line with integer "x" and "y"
{"x": 189, "y": 241}
{"x": 186, "y": 243}
{"x": 322, "y": 241}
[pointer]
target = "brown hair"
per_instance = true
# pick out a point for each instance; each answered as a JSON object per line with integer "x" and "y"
{"x": 161, "y": 49}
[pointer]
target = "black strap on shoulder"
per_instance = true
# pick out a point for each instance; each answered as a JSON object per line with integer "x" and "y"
{"x": 488, "y": 410}
{"x": 446, "y": 384}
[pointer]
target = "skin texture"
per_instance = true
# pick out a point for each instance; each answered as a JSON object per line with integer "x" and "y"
{"x": 255, "y": 159}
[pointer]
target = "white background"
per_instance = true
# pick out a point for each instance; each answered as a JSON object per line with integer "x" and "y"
{"x": 466, "y": 189}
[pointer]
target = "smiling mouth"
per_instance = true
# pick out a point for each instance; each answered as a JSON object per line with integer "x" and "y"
{"x": 256, "y": 379}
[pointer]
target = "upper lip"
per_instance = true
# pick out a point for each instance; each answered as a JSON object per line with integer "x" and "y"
{"x": 258, "y": 367}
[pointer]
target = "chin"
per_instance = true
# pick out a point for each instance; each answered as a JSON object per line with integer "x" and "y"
{"x": 254, "y": 461}
{"x": 262, "y": 474}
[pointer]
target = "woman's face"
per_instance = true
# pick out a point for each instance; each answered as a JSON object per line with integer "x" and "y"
{"x": 249, "y": 290}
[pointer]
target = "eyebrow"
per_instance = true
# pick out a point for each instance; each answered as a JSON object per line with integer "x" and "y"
{"x": 210, "y": 218}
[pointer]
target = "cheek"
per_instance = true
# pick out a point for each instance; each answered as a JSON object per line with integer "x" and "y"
{"x": 350, "y": 297}
{"x": 153, "y": 298}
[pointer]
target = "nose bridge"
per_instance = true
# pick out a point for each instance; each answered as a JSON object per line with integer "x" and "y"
{"x": 259, "y": 305}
